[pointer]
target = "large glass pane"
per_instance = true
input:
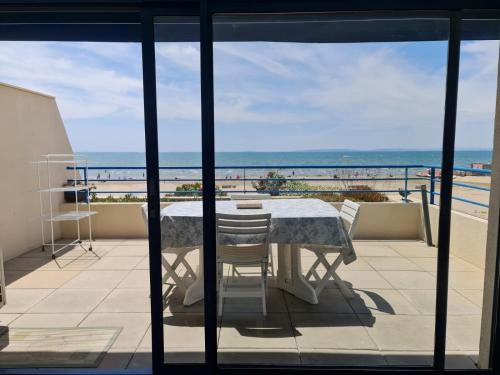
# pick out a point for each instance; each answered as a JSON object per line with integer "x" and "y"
{"x": 471, "y": 277}
{"x": 82, "y": 299}
{"x": 179, "y": 137}
{"x": 314, "y": 110}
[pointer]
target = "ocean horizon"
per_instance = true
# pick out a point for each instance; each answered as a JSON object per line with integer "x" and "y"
{"x": 326, "y": 159}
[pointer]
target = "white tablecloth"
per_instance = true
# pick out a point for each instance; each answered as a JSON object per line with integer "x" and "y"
{"x": 293, "y": 221}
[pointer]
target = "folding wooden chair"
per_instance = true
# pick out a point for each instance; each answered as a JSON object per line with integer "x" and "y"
{"x": 349, "y": 214}
{"x": 248, "y": 246}
{"x": 179, "y": 280}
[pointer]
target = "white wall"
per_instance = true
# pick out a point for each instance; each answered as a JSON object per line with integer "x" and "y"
{"x": 30, "y": 126}
{"x": 377, "y": 221}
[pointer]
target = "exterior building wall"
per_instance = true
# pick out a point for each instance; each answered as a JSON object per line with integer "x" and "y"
{"x": 30, "y": 126}
{"x": 377, "y": 221}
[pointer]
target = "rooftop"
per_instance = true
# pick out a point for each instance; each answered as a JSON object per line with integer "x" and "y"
{"x": 390, "y": 320}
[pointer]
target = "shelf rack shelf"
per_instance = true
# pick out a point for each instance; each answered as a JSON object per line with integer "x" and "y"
{"x": 46, "y": 189}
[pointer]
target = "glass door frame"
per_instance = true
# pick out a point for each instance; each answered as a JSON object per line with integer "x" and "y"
{"x": 142, "y": 18}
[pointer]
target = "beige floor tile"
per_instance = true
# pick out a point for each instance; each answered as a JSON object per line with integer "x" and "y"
{"x": 381, "y": 302}
{"x": 409, "y": 279}
{"x": 342, "y": 357}
{"x": 364, "y": 279}
{"x": 330, "y": 300}
{"x": 107, "y": 241}
{"x": 142, "y": 359}
{"x": 60, "y": 320}
{"x": 25, "y": 264}
{"x": 180, "y": 331}
{"x": 275, "y": 303}
{"x": 459, "y": 264}
{"x": 116, "y": 263}
{"x": 360, "y": 264}
{"x": 259, "y": 356}
{"x": 116, "y": 359}
{"x": 38, "y": 279}
{"x": 173, "y": 303}
{"x": 415, "y": 251}
{"x": 134, "y": 242}
{"x": 96, "y": 280}
{"x": 475, "y": 296}
{"x": 466, "y": 280}
{"x": 459, "y": 361}
{"x": 365, "y": 250}
{"x": 391, "y": 264}
{"x": 135, "y": 279}
{"x": 70, "y": 301}
{"x": 70, "y": 264}
{"x": 126, "y": 300}
{"x": 129, "y": 251}
{"x": 456, "y": 264}
{"x": 465, "y": 331}
{"x": 5, "y": 319}
{"x": 184, "y": 355}
{"x": 425, "y": 264}
{"x": 134, "y": 326}
{"x": 21, "y": 300}
{"x": 330, "y": 331}
{"x": 80, "y": 253}
{"x": 425, "y": 302}
{"x": 256, "y": 331}
{"x": 184, "y": 330}
{"x": 402, "y": 332}
{"x": 143, "y": 264}
{"x": 409, "y": 358}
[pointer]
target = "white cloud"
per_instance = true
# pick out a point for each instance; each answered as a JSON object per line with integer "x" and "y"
{"x": 84, "y": 88}
{"x": 311, "y": 95}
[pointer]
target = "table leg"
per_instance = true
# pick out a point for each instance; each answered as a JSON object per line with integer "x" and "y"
{"x": 195, "y": 291}
{"x": 290, "y": 276}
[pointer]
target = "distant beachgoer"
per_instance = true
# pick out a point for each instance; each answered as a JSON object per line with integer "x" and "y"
{"x": 109, "y": 176}
{"x": 98, "y": 176}
{"x": 293, "y": 173}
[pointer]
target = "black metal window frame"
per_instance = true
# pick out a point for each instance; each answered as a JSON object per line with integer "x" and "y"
{"x": 133, "y": 21}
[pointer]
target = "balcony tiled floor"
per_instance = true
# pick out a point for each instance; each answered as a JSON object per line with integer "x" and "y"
{"x": 390, "y": 321}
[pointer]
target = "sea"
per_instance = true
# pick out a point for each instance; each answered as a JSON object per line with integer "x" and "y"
{"x": 297, "y": 163}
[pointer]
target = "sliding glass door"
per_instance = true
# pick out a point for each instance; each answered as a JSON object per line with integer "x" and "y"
{"x": 310, "y": 116}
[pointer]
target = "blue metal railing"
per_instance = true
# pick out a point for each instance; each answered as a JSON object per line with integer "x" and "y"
{"x": 432, "y": 178}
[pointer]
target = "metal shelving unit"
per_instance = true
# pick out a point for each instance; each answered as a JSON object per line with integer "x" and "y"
{"x": 72, "y": 164}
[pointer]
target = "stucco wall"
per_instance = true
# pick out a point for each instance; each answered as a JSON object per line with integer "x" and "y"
{"x": 468, "y": 236}
{"x": 30, "y": 126}
{"x": 377, "y": 221}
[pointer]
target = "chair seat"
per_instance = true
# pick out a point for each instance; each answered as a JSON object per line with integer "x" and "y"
{"x": 242, "y": 254}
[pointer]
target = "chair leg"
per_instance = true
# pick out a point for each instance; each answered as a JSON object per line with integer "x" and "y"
{"x": 330, "y": 273}
{"x": 221, "y": 287}
{"x": 170, "y": 272}
{"x": 264, "y": 268}
{"x": 312, "y": 270}
{"x": 271, "y": 262}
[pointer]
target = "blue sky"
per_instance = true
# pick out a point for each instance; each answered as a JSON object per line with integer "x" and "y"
{"x": 268, "y": 96}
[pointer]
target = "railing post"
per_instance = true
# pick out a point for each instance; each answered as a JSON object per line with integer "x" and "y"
{"x": 433, "y": 184}
{"x": 85, "y": 179}
{"x": 244, "y": 180}
{"x": 406, "y": 185}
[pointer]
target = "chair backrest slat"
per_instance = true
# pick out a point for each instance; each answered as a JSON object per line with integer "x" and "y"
{"x": 243, "y": 225}
{"x": 350, "y": 215}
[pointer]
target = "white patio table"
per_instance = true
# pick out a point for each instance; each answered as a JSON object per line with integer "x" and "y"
{"x": 293, "y": 222}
